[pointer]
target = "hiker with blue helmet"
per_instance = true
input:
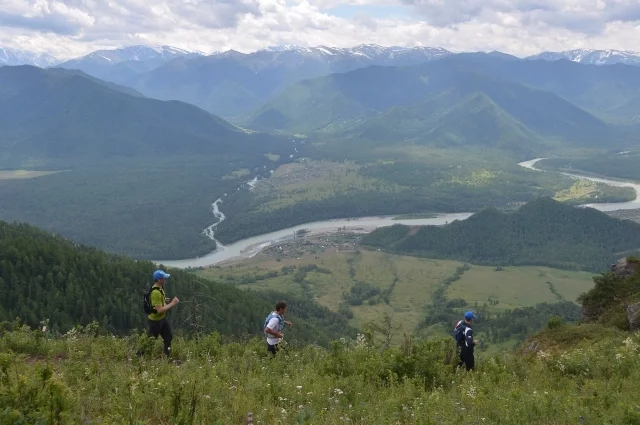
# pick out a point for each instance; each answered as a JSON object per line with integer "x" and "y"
{"x": 465, "y": 342}
{"x": 158, "y": 307}
{"x": 274, "y": 325}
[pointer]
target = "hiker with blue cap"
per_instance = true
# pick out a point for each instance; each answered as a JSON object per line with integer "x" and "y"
{"x": 156, "y": 306}
{"x": 465, "y": 342}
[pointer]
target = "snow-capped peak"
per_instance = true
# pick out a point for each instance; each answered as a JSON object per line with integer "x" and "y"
{"x": 22, "y": 57}
{"x": 363, "y": 51}
{"x": 136, "y": 53}
{"x": 593, "y": 57}
{"x": 281, "y": 48}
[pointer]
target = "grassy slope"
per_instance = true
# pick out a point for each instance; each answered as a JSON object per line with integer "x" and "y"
{"x": 82, "y": 379}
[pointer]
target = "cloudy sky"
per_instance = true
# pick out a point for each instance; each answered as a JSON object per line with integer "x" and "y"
{"x": 67, "y": 28}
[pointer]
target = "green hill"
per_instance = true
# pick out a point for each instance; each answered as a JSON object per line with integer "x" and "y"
{"x": 68, "y": 116}
{"x": 45, "y": 277}
{"x": 543, "y": 232}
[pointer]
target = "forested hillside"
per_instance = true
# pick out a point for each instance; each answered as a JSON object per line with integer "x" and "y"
{"x": 45, "y": 277}
{"x": 543, "y": 232}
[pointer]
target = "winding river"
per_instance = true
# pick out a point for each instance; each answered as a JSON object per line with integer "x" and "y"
{"x": 249, "y": 247}
{"x": 611, "y": 206}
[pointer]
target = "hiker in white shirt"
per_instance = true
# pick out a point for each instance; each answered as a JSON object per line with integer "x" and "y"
{"x": 273, "y": 326}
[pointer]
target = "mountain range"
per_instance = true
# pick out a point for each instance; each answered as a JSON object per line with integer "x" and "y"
{"x": 478, "y": 99}
{"x": 233, "y": 84}
{"x": 592, "y": 57}
{"x": 121, "y": 64}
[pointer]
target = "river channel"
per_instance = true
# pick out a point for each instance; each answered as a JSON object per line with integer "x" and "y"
{"x": 249, "y": 247}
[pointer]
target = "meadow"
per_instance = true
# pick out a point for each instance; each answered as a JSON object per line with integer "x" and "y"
{"x": 409, "y": 284}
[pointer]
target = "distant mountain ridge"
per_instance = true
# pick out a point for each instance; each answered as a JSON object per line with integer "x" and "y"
{"x": 370, "y": 51}
{"x": 119, "y": 65}
{"x": 592, "y": 57}
{"x": 131, "y": 53}
{"x": 12, "y": 57}
{"x": 232, "y": 84}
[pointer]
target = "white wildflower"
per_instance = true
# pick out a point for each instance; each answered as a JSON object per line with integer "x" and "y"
{"x": 472, "y": 392}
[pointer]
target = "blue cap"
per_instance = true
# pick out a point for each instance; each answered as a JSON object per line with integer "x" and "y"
{"x": 160, "y": 274}
{"x": 469, "y": 315}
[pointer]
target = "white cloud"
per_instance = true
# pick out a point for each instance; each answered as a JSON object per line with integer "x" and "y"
{"x": 68, "y": 28}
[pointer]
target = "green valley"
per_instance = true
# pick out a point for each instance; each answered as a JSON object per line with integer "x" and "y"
{"x": 395, "y": 180}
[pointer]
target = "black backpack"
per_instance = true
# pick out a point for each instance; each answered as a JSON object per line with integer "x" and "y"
{"x": 458, "y": 333}
{"x": 146, "y": 303}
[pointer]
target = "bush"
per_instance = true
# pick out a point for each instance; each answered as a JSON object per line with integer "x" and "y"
{"x": 555, "y": 322}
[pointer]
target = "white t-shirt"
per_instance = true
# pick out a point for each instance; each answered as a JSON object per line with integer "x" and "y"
{"x": 273, "y": 325}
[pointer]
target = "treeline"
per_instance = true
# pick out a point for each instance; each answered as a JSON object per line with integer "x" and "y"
{"x": 45, "y": 277}
{"x": 543, "y": 232}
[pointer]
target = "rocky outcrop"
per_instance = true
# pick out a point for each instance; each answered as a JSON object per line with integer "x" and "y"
{"x": 624, "y": 268}
{"x": 617, "y": 294}
{"x": 633, "y": 316}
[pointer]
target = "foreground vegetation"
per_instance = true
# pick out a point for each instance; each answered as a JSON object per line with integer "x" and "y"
{"x": 579, "y": 373}
{"x": 565, "y": 374}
